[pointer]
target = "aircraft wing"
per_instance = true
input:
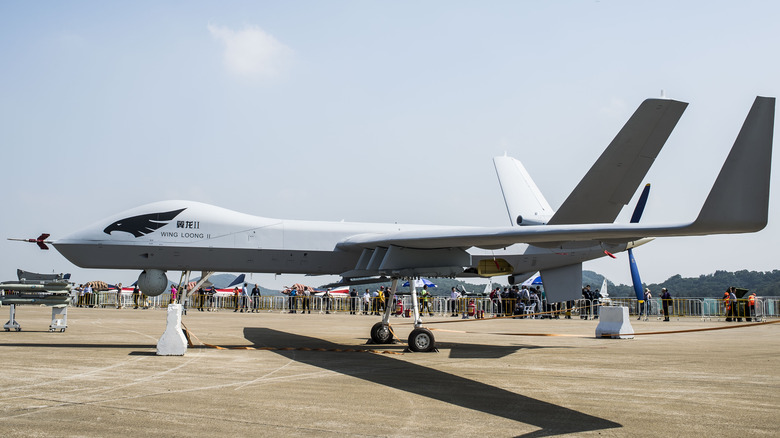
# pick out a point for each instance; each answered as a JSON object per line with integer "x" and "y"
{"x": 542, "y": 235}
{"x": 615, "y": 176}
{"x": 738, "y": 203}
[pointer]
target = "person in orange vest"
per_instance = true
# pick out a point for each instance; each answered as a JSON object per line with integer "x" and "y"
{"x": 733, "y": 304}
{"x": 727, "y": 305}
{"x": 751, "y": 307}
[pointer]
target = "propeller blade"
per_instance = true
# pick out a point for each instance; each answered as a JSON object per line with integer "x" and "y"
{"x": 40, "y": 241}
{"x": 638, "y": 210}
{"x": 637, "y": 282}
{"x": 640, "y": 205}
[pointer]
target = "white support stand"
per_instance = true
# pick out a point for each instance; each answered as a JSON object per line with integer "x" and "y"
{"x": 59, "y": 323}
{"x": 614, "y": 323}
{"x": 12, "y": 324}
{"x": 172, "y": 342}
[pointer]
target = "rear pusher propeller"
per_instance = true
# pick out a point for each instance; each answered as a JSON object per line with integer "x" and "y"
{"x": 40, "y": 241}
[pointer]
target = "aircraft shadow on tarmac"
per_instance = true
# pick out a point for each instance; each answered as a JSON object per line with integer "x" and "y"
{"x": 399, "y": 374}
{"x": 94, "y": 346}
{"x": 481, "y": 351}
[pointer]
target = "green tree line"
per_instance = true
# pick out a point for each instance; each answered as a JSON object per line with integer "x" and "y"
{"x": 710, "y": 285}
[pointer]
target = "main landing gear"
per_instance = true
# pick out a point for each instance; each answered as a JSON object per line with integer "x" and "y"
{"x": 380, "y": 334}
{"x": 420, "y": 340}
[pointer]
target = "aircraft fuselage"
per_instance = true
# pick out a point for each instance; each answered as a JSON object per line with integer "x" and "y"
{"x": 183, "y": 235}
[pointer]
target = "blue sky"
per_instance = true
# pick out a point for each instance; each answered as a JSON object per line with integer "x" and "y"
{"x": 367, "y": 111}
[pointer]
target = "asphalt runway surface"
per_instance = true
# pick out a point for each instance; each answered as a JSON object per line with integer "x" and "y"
{"x": 498, "y": 378}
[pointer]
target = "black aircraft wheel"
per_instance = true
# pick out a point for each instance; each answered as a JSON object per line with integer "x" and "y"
{"x": 421, "y": 340}
{"x": 380, "y": 334}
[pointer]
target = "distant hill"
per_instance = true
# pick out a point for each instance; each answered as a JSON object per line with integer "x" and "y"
{"x": 710, "y": 285}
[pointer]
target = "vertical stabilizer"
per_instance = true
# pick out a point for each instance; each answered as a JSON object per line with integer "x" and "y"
{"x": 613, "y": 179}
{"x": 739, "y": 200}
{"x": 524, "y": 202}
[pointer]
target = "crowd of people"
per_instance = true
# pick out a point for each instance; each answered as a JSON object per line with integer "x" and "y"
{"x": 525, "y": 301}
{"x": 734, "y": 310}
{"x": 513, "y": 300}
{"x": 242, "y": 299}
{"x": 516, "y": 301}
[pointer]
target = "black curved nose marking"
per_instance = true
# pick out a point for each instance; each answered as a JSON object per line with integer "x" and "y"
{"x": 144, "y": 224}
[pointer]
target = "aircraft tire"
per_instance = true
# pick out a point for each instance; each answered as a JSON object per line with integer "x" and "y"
{"x": 381, "y": 334}
{"x": 421, "y": 340}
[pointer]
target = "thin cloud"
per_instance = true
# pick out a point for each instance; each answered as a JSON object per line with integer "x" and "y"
{"x": 252, "y": 52}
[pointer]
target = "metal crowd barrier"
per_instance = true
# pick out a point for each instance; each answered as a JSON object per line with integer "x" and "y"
{"x": 704, "y": 308}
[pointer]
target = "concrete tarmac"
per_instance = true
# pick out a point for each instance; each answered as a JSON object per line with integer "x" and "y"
{"x": 498, "y": 378}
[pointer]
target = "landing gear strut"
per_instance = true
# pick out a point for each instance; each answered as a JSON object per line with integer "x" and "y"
{"x": 380, "y": 332}
{"x": 420, "y": 340}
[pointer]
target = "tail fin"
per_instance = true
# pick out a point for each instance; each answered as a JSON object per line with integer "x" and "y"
{"x": 739, "y": 200}
{"x": 524, "y": 202}
{"x": 237, "y": 280}
{"x": 613, "y": 179}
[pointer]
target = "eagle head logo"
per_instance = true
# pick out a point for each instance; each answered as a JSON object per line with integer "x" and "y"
{"x": 144, "y": 224}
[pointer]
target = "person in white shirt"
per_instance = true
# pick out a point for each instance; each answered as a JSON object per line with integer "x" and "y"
{"x": 244, "y": 299}
{"x": 454, "y": 295}
{"x": 366, "y": 302}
